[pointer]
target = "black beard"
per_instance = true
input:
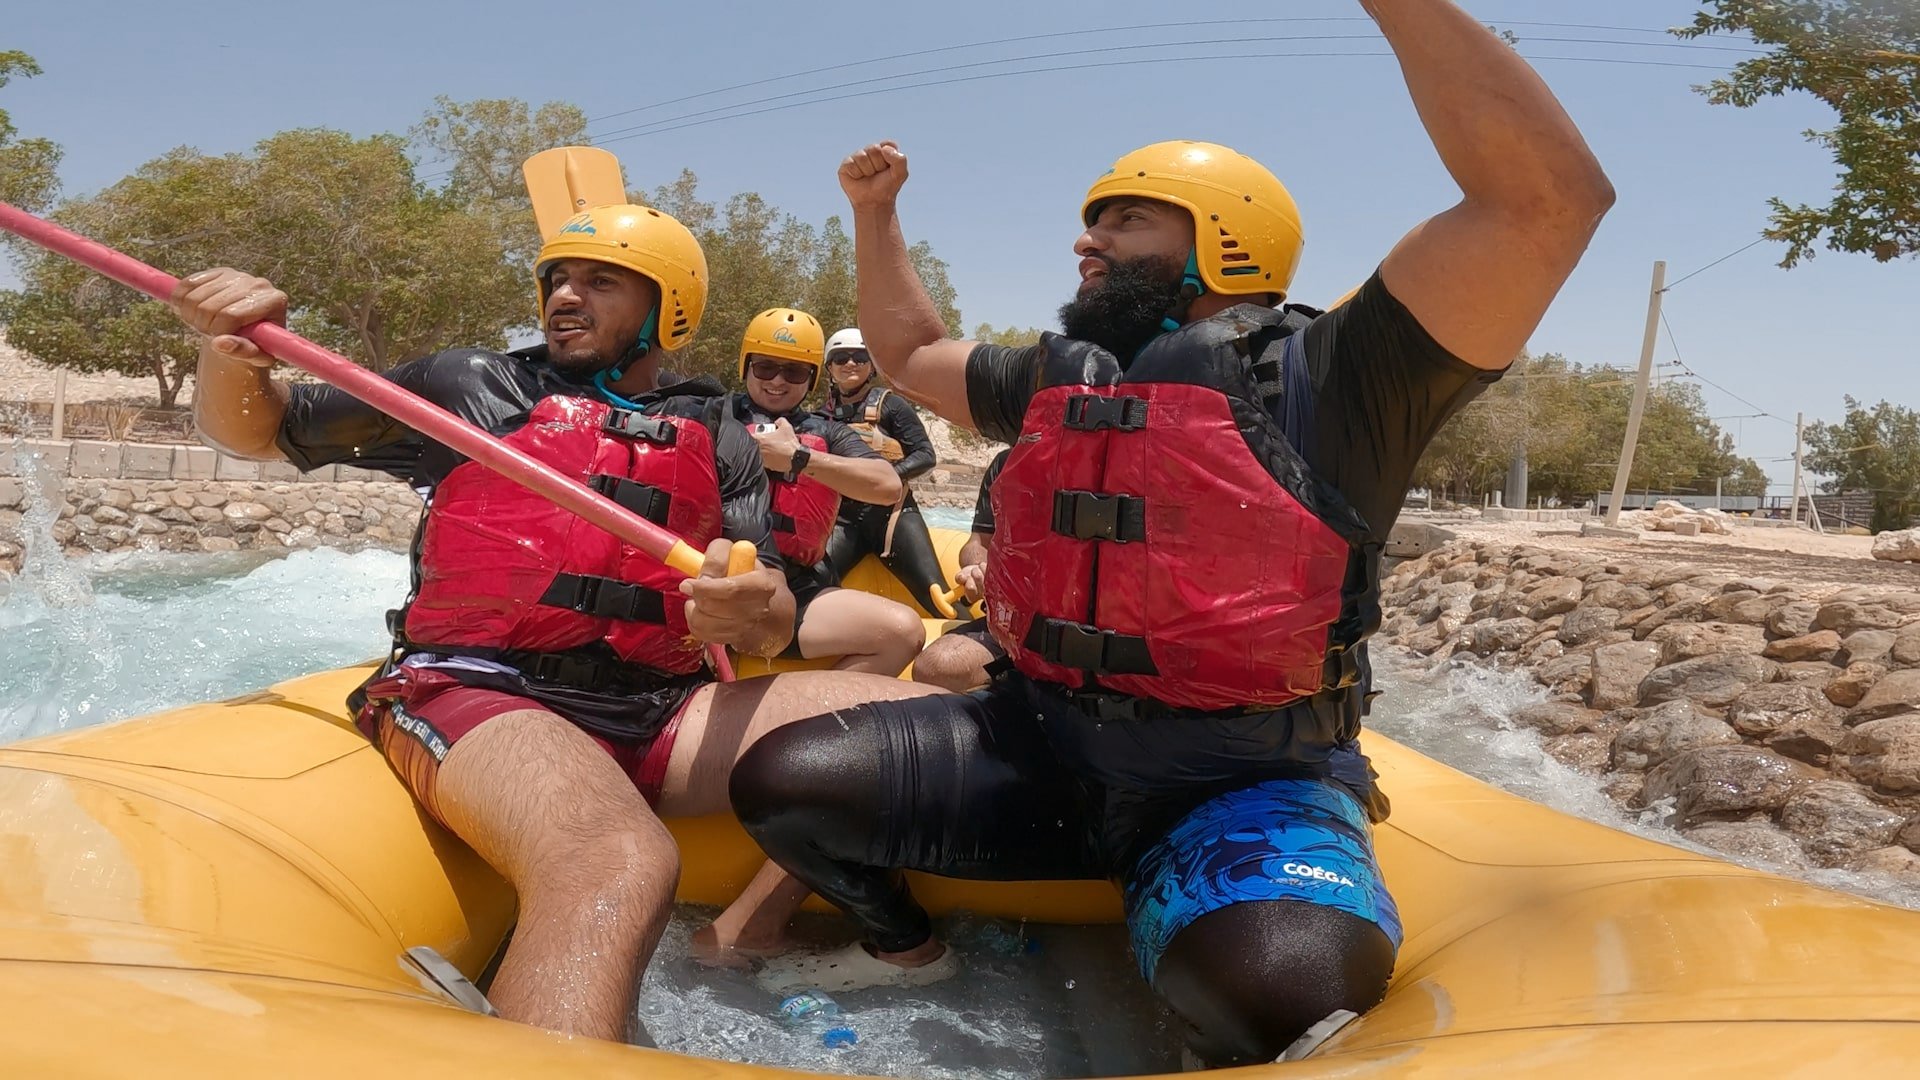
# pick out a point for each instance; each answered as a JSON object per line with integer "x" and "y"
{"x": 1128, "y": 308}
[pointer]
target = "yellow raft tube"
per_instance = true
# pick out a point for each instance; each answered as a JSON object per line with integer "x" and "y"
{"x": 230, "y": 889}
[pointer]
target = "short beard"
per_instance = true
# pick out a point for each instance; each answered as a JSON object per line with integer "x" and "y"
{"x": 1129, "y": 308}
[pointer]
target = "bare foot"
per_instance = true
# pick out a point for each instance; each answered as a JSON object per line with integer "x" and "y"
{"x": 919, "y": 956}
{"x": 734, "y": 953}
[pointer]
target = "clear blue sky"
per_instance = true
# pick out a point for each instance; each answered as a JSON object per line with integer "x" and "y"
{"x": 999, "y": 164}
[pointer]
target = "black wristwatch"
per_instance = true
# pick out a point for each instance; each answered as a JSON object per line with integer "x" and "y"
{"x": 798, "y": 465}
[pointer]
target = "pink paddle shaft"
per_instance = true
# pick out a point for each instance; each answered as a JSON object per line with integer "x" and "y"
{"x": 416, "y": 412}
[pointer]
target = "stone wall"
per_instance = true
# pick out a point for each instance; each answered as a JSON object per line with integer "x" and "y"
{"x": 101, "y": 515}
{"x": 1765, "y": 719}
{"x": 160, "y": 461}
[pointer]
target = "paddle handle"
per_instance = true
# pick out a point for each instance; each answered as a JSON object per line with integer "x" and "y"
{"x": 943, "y": 600}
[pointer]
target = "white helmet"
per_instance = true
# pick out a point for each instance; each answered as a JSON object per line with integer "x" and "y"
{"x": 846, "y": 341}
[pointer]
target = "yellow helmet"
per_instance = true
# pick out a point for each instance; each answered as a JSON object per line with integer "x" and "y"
{"x": 1247, "y": 237}
{"x": 784, "y": 334}
{"x": 647, "y": 242}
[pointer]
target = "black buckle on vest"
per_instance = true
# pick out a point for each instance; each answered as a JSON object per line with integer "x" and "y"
{"x": 1089, "y": 648}
{"x": 643, "y": 499}
{"x": 1094, "y": 412}
{"x": 1090, "y": 515}
{"x": 563, "y": 669}
{"x": 605, "y": 598}
{"x": 782, "y": 523}
{"x": 638, "y": 425}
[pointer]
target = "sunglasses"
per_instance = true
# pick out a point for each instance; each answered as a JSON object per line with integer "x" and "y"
{"x": 769, "y": 370}
{"x": 850, "y": 358}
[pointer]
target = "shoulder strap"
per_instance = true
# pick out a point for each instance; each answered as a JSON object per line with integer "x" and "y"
{"x": 875, "y": 399}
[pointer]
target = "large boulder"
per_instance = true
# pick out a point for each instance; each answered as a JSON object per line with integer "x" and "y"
{"x": 1837, "y": 822}
{"x": 1559, "y": 717}
{"x": 1713, "y": 681}
{"x": 1685, "y": 641}
{"x": 1724, "y": 782}
{"x": 1571, "y": 673}
{"x": 1896, "y": 692}
{"x": 1851, "y": 685}
{"x": 1884, "y": 754}
{"x": 1748, "y": 842}
{"x": 1847, "y": 616}
{"x": 1760, "y": 711}
{"x": 1900, "y": 545}
{"x": 1617, "y": 671}
{"x": 1586, "y": 624}
{"x": 1864, "y": 647}
{"x": 1659, "y": 733}
{"x": 1617, "y": 595}
{"x": 1792, "y": 619}
{"x": 1819, "y": 645}
{"x": 1557, "y": 597}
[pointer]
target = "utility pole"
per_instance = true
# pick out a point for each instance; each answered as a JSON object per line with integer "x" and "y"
{"x": 1639, "y": 393}
{"x": 1517, "y": 467}
{"x": 1799, "y": 427}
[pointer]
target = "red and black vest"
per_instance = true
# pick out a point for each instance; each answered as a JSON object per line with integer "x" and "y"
{"x": 804, "y": 510}
{"x": 502, "y": 570}
{"x": 1158, "y": 535}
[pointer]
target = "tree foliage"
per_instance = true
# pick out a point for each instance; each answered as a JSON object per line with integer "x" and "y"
{"x": 1862, "y": 58}
{"x": 29, "y": 174}
{"x": 1009, "y": 335}
{"x": 760, "y": 256}
{"x": 1571, "y": 420}
{"x": 1872, "y": 449}
{"x": 473, "y": 151}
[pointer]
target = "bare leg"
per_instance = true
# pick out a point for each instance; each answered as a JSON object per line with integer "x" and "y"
{"x": 869, "y": 633}
{"x": 755, "y": 924}
{"x": 594, "y": 869}
{"x": 953, "y": 662}
{"x": 719, "y": 724}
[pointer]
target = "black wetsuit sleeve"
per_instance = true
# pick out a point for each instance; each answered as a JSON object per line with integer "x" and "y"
{"x": 745, "y": 502}
{"x": 328, "y": 426}
{"x": 1000, "y": 382}
{"x": 983, "y": 506}
{"x": 899, "y": 419}
{"x": 1383, "y": 389}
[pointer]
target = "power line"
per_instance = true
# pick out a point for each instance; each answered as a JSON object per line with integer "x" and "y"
{"x": 1684, "y": 366}
{"x": 1716, "y": 262}
{"x": 1103, "y": 64}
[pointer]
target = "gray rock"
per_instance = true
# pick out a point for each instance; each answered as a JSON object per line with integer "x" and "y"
{"x": 1896, "y": 692}
{"x": 1584, "y": 624}
{"x": 1906, "y": 645}
{"x": 1559, "y": 717}
{"x": 1748, "y": 842}
{"x": 1505, "y": 635}
{"x": 1792, "y": 620}
{"x": 218, "y": 543}
{"x": 1713, "y": 681}
{"x": 1885, "y": 754}
{"x": 1586, "y": 751}
{"x": 1837, "y": 822}
{"x": 1891, "y": 861}
{"x": 1617, "y": 595}
{"x": 1721, "y": 608}
{"x": 1847, "y": 616}
{"x": 111, "y": 515}
{"x": 1661, "y": 732}
{"x": 1865, "y": 647}
{"x": 1815, "y": 673}
{"x": 1688, "y": 641}
{"x": 1763, "y": 710}
{"x": 1724, "y": 781}
{"x": 1570, "y": 674}
{"x": 1618, "y": 670}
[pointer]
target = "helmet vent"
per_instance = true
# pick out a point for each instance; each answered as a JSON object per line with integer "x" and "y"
{"x": 1234, "y": 262}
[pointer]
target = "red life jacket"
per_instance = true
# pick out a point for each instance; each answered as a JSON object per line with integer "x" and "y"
{"x": 1159, "y": 537}
{"x": 500, "y": 568}
{"x": 804, "y": 510}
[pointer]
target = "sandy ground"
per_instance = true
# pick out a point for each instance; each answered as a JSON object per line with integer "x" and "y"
{"x": 1795, "y": 555}
{"x": 23, "y": 378}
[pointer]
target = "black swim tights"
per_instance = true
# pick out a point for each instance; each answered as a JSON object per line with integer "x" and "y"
{"x": 912, "y": 558}
{"x": 967, "y": 786}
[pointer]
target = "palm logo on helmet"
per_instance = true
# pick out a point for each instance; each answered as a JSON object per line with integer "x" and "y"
{"x": 1247, "y": 237}
{"x": 785, "y": 334}
{"x": 649, "y": 243}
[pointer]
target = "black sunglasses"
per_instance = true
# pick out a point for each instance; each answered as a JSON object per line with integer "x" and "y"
{"x": 850, "y": 358}
{"x": 769, "y": 370}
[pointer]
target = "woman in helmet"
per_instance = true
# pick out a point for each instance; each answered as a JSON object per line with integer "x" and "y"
{"x": 889, "y": 424}
{"x": 813, "y": 464}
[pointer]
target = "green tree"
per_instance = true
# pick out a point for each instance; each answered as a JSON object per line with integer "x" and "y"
{"x": 1008, "y": 335}
{"x": 760, "y": 256}
{"x": 473, "y": 151}
{"x": 1862, "y": 58}
{"x": 378, "y": 266}
{"x": 29, "y": 174}
{"x": 1872, "y": 449}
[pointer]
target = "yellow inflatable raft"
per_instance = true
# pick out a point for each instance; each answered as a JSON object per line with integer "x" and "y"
{"x": 231, "y": 889}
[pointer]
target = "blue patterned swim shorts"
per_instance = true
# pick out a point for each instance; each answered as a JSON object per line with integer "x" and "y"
{"x": 1303, "y": 840}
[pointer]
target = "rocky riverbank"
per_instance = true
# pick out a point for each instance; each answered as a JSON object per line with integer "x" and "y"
{"x": 103, "y": 515}
{"x": 1767, "y": 719}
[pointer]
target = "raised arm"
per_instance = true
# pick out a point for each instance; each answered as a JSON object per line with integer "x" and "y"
{"x": 1480, "y": 276}
{"x": 903, "y": 331}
